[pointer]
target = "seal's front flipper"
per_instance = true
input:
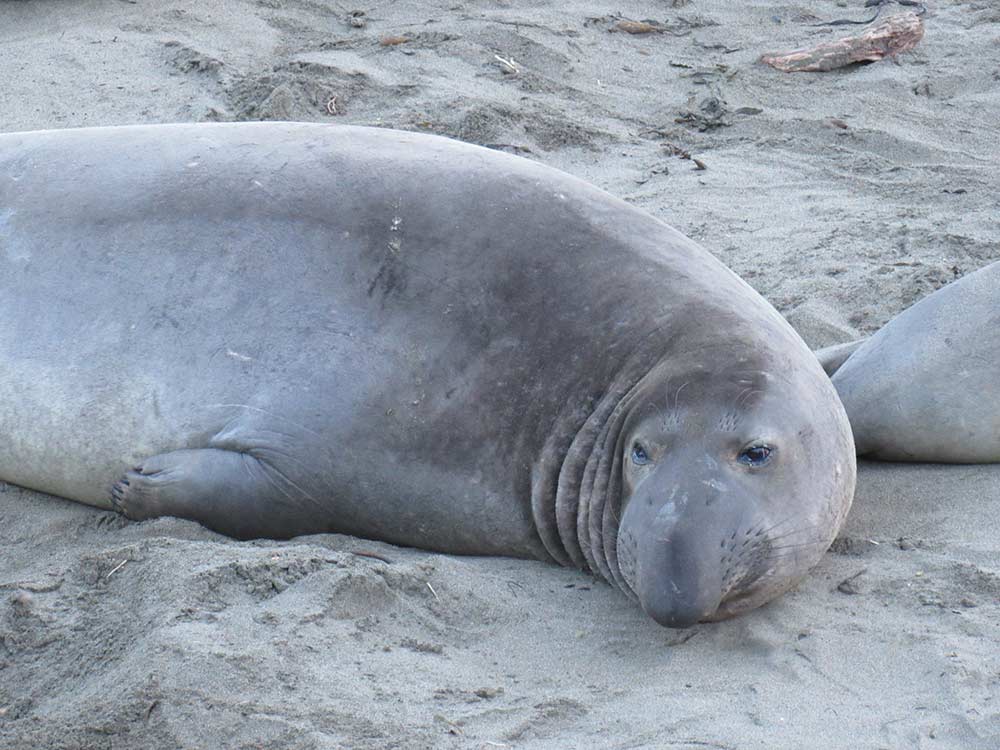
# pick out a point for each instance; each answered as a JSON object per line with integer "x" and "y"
{"x": 230, "y": 492}
{"x": 832, "y": 357}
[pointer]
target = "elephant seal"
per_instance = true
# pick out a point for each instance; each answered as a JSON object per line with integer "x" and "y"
{"x": 280, "y": 329}
{"x": 925, "y": 386}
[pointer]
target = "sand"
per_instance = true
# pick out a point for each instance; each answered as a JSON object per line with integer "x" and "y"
{"x": 842, "y": 197}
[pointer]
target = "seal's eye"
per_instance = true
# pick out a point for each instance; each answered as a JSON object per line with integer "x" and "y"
{"x": 639, "y": 455}
{"x": 755, "y": 455}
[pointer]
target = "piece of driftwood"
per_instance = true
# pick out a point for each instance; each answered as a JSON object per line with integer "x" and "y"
{"x": 893, "y": 35}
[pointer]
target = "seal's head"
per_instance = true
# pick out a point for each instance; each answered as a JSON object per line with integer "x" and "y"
{"x": 735, "y": 478}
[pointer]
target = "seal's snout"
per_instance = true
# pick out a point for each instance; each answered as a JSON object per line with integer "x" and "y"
{"x": 679, "y": 577}
{"x": 682, "y": 558}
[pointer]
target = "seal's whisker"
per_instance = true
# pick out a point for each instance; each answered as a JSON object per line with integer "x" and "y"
{"x": 787, "y": 534}
{"x": 741, "y": 395}
{"x": 791, "y": 555}
{"x": 762, "y": 532}
{"x": 677, "y": 394}
{"x": 783, "y": 556}
{"x": 666, "y": 402}
{"x": 794, "y": 532}
{"x": 746, "y": 396}
{"x": 796, "y": 546}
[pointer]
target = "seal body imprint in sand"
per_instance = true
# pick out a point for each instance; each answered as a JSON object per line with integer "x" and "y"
{"x": 281, "y": 329}
{"x": 925, "y": 387}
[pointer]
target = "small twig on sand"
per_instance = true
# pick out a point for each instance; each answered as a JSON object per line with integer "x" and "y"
{"x": 509, "y": 66}
{"x": 895, "y": 34}
{"x": 432, "y": 589}
{"x": 392, "y": 41}
{"x": 847, "y": 585}
{"x": 677, "y": 151}
{"x": 116, "y": 568}
{"x": 639, "y": 27}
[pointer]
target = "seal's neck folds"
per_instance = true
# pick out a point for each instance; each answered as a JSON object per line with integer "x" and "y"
{"x": 576, "y": 487}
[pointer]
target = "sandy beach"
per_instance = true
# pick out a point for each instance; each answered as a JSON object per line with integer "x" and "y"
{"x": 842, "y": 197}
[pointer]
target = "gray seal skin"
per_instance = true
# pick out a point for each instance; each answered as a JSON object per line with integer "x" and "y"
{"x": 925, "y": 387}
{"x": 278, "y": 329}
